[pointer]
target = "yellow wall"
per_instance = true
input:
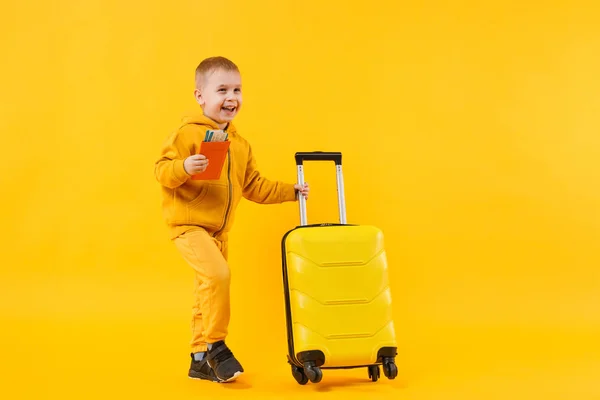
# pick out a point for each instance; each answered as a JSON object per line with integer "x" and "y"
{"x": 469, "y": 133}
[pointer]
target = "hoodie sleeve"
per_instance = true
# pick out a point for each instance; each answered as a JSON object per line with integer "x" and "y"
{"x": 168, "y": 169}
{"x": 263, "y": 191}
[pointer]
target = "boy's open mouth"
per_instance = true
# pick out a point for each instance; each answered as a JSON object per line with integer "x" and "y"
{"x": 230, "y": 108}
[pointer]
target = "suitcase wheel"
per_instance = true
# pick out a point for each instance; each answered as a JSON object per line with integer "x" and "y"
{"x": 299, "y": 375}
{"x": 374, "y": 372}
{"x": 389, "y": 368}
{"x": 313, "y": 372}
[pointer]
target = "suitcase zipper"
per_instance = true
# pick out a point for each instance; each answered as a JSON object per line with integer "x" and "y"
{"x": 286, "y": 290}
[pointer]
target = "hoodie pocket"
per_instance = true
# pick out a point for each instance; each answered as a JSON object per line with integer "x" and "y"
{"x": 198, "y": 199}
{"x": 208, "y": 208}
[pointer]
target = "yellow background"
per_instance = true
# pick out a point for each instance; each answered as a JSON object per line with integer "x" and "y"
{"x": 470, "y": 136}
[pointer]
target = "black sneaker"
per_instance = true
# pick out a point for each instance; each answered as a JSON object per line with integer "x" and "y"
{"x": 222, "y": 361}
{"x": 201, "y": 370}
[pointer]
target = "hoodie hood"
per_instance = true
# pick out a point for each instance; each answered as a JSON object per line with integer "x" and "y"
{"x": 200, "y": 119}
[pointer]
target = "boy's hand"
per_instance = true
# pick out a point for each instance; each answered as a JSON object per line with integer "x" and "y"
{"x": 195, "y": 164}
{"x": 302, "y": 189}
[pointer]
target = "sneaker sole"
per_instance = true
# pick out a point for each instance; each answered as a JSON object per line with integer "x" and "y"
{"x": 203, "y": 379}
{"x": 218, "y": 380}
{"x": 233, "y": 378}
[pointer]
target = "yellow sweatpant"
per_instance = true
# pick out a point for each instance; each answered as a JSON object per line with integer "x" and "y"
{"x": 211, "y": 310}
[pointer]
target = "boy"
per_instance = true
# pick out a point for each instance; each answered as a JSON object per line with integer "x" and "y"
{"x": 200, "y": 213}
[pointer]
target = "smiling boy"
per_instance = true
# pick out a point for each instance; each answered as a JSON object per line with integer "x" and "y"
{"x": 200, "y": 213}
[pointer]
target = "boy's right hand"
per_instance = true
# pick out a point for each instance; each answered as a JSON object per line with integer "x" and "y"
{"x": 195, "y": 164}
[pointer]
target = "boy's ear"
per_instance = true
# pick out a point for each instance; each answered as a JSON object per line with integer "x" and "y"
{"x": 198, "y": 97}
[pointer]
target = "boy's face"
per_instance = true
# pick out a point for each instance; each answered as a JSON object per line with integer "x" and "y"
{"x": 220, "y": 96}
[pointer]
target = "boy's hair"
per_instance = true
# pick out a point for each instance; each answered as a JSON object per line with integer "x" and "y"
{"x": 211, "y": 64}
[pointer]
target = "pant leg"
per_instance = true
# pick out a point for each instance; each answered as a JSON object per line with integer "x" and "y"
{"x": 211, "y": 311}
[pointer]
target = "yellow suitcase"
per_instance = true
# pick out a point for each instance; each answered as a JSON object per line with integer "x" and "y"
{"x": 337, "y": 293}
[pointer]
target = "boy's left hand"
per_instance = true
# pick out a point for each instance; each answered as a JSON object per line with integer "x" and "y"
{"x": 302, "y": 189}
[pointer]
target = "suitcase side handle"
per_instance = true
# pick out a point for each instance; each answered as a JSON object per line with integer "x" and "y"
{"x": 336, "y": 157}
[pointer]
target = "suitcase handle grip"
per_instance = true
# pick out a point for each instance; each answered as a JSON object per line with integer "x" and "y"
{"x": 335, "y": 156}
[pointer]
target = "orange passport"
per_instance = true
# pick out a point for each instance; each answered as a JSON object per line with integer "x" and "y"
{"x": 216, "y": 153}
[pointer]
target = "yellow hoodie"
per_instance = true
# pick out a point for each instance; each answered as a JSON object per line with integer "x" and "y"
{"x": 211, "y": 204}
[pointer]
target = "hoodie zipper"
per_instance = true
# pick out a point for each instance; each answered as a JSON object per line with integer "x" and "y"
{"x": 229, "y": 193}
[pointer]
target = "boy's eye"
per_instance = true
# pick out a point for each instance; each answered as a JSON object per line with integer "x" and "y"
{"x": 222, "y": 90}
{"x": 238, "y": 90}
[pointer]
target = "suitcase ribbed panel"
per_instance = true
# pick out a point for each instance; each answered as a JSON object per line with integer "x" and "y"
{"x": 340, "y": 300}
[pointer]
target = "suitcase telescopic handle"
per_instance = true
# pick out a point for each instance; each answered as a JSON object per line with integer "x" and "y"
{"x": 336, "y": 157}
